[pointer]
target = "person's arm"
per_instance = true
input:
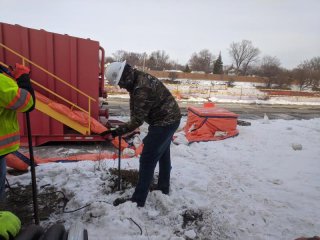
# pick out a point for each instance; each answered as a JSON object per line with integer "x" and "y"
{"x": 141, "y": 105}
{"x": 22, "y": 75}
{"x": 24, "y": 84}
{"x": 13, "y": 97}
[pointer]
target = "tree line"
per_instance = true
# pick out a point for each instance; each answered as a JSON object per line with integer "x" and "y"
{"x": 246, "y": 61}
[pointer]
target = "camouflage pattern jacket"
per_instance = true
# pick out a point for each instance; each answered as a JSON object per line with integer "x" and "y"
{"x": 150, "y": 102}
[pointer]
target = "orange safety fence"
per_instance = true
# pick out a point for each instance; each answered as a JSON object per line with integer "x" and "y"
{"x": 275, "y": 92}
{"x": 15, "y": 162}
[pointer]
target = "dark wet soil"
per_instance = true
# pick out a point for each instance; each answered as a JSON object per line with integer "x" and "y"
{"x": 191, "y": 217}
{"x": 19, "y": 199}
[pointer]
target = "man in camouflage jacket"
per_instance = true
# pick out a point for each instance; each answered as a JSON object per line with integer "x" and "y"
{"x": 150, "y": 102}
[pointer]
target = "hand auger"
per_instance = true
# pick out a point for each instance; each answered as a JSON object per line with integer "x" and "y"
{"x": 119, "y": 155}
{"x": 33, "y": 172}
{"x": 119, "y": 163}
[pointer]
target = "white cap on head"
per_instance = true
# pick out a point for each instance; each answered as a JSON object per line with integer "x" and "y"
{"x": 114, "y": 72}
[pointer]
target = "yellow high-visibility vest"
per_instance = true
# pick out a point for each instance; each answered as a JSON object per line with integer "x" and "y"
{"x": 12, "y": 100}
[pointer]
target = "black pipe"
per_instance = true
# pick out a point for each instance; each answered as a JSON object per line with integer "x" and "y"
{"x": 119, "y": 164}
{"x": 33, "y": 173}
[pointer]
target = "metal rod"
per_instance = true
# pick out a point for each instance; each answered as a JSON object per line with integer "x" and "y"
{"x": 33, "y": 173}
{"x": 119, "y": 164}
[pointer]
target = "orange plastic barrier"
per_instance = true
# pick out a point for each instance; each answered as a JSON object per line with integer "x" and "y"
{"x": 210, "y": 124}
{"x": 16, "y": 163}
{"x": 208, "y": 104}
{"x": 42, "y": 98}
{"x": 79, "y": 117}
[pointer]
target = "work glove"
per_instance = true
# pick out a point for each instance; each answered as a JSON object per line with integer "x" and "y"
{"x": 21, "y": 74}
{"x": 19, "y": 70}
{"x": 9, "y": 225}
{"x": 114, "y": 132}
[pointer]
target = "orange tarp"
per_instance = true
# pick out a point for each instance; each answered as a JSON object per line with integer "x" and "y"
{"x": 80, "y": 117}
{"x": 210, "y": 123}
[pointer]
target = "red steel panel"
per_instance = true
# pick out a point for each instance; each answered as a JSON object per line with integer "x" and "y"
{"x": 73, "y": 59}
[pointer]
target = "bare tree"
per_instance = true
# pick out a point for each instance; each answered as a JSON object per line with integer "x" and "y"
{"x": 108, "y": 59}
{"x": 270, "y": 69}
{"x": 253, "y": 70}
{"x": 307, "y": 74}
{"x": 202, "y": 61}
{"x": 134, "y": 59}
{"x": 119, "y": 55}
{"x": 173, "y": 76}
{"x": 243, "y": 54}
{"x": 314, "y": 66}
{"x": 158, "y": 60}
{"x": 315, "y": 63}
{"x": 301, "y": 75}
{"x": 173, "y": 65}
{"x": 283, "y": 79}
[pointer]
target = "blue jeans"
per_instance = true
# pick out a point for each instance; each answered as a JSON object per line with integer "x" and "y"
{"x": 156, "y": 149}
{"x": 3, "y": 170}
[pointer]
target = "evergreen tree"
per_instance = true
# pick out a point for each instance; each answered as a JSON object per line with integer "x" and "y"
{"x": 187, "y": 69}
{"x": 218, "y": 65}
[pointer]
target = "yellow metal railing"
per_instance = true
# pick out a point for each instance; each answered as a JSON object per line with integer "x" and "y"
{"x": 24, "y": 60}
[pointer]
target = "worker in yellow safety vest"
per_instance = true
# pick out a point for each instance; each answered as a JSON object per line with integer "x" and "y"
{"x": 15, "y": 96}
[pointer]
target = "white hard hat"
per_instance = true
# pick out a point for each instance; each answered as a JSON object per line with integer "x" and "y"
{"x": 114, "y": 71}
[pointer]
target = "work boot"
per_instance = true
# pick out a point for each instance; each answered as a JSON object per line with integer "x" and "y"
{"x": 165, "y": 191}
{"x": 139, "y": 204}
{"x": 122, "y": 200}
{"x": 155, "y": 187}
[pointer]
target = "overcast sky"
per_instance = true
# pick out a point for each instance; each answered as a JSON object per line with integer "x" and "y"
{"x": 287, "y": 29}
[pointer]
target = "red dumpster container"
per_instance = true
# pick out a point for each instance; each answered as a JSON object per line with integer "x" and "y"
{"x": 72, "y": 59}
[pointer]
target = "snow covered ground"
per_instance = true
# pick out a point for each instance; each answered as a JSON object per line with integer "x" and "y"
{"x": 262, "y": 184}
{"x": 242, "y": 92}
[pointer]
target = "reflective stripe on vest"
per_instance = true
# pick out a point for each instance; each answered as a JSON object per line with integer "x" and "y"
{"x": 9, "y": 140}
{"x": 20, "y": 100}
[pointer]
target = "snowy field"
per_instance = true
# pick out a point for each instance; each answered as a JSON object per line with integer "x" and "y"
{"x": 262, "y": 184}
{"x": 242, "y": 92}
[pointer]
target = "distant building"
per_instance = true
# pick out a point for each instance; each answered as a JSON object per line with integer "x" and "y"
{"x": 178, "y": 71}
{"x": 229, "y": 70}
{"x": 201, "y": 72}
